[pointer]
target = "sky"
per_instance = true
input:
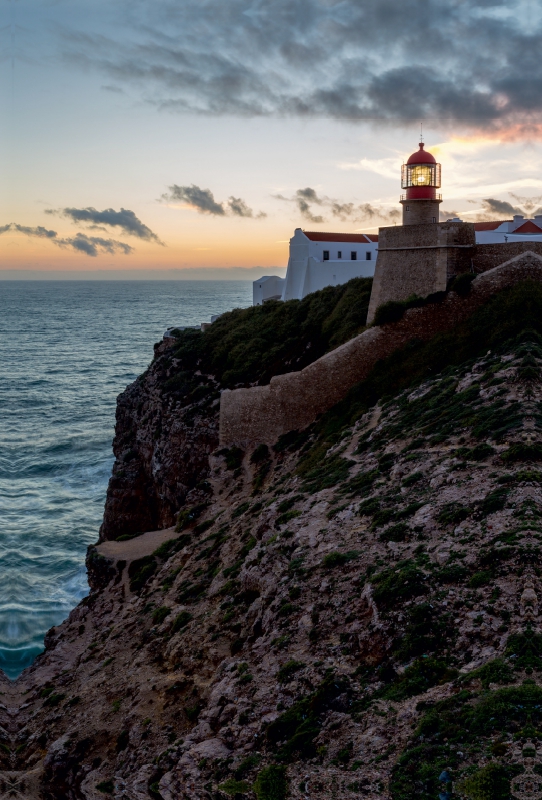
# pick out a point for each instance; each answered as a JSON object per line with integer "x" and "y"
{"x": 189, "y": 138}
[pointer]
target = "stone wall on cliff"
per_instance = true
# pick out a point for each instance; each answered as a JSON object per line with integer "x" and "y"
{"x": 294, "y": 400}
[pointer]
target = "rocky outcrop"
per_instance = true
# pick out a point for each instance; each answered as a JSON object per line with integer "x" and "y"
{"x": 162, "y": 443}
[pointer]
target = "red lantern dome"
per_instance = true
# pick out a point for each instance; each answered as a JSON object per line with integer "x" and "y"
{"x": 420, "y": 176}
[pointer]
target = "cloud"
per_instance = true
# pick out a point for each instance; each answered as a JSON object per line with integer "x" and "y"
{"x": 528, "y": 203}
{"x": 95, "y": 245}
{"x": 203, "y": 200}
{"x": 124, "y": 219}
{"x": 474, "y": 63}
{"x": 305, "y": 198}
{"x": 39, "y": 231}
{"x": 239, "y": 208}
{"x": 81, "y": 243}
{"x": 500, "y": 208}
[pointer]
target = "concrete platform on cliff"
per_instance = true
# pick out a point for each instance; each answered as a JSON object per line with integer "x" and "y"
{"x": 140, "y": 546}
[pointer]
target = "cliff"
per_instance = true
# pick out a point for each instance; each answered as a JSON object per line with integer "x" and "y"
{"x": 167, "y": 420}
{"x": 352, "y": 612}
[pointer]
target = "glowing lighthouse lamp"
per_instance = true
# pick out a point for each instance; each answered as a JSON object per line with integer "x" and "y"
{"x": 420, "y": 176}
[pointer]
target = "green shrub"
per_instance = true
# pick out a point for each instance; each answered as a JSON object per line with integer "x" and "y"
{"x": 494, "y": 501}
{"x": 453, "y": 513}
{"x": 461, "y": 284}
{"x": 496, "y": 671}
{"x": 426, "y": 630}
{"x": 247, "y": 765}
{"x": 382, "y": 518}
{"x": 297, "y": 727}
{"x": 522, "y": 452}
{"x": 288, "y": 670}
{"x": 369, "y": 507}
{"x": 180, "y": 621}
{"x": 271, "y": 783}
{"x": 285, "y": 518}
{"x": 240, "y": 510}
{"x": 333, "y": 470}
{"x": 232, "y": 787}
{"x": 451, "y": 573}
{"x": 337, "y": 559}
{"x": 123, "y": 740}
{"x": 189, "y": 515}
{"x": 203, "y": 526}
{"x": 234, "y": 457}
{"x": 140, "y": 571}
{"x": 488, "y": 783}
{"x": 395, "y": 533}
{"x": 419, "y": 677}
{"x": 107, "y": 787}
{"x": 479, "y": 452}
{"x": 399, "y": 583}
{"x": 260, "y": 454}
{"x": 54, "y": 699}
{"x": 160, "y": 614}
{"x": 480, "y": 579}
{"x": 413, "y": 478}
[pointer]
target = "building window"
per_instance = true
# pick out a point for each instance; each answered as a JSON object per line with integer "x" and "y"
{"x": 434, "y": 219}
{"x": 368, "y": 256}
{"x": 408, "y": 208}
{"x": 326, "y": 255}
{"x": 353, "y": 255}
{"x": 339, "y": 253}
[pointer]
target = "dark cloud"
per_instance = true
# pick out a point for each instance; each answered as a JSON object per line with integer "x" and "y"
{"x": 203, "y": 200}
{"x": 95, "y": 245}
{"x": 81, "y": 243}
{"x": 501, "y": 208}
{"x": 476, "y": 62}
{"x": 124, "y": 219}
{"x": 528, "y": 203}
{"x": 305, "y": 198}
{"x": 39, "y": 231}
{"x": 239, "y": 208}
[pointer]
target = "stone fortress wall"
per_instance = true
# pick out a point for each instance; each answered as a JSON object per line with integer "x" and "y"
{"x": 294, "y": 400}
{"x": 420, "y": 259}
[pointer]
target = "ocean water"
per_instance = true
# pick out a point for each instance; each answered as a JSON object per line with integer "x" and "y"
{"x": 67, "y": 349}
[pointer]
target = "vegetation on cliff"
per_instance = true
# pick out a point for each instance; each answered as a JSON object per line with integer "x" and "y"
{"x": 250, "y": 345}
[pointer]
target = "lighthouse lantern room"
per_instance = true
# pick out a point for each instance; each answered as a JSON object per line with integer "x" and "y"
{"x": 420, "y": 176}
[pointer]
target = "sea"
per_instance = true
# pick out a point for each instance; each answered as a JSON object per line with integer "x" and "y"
{"x": 67, "y": 349}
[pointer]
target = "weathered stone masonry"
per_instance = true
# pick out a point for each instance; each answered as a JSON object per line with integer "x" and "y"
{"x": 294, "y": 400}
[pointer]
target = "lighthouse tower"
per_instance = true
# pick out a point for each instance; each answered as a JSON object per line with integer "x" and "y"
{"x": 421, "y": 256}
{"x": 420, "y": 176}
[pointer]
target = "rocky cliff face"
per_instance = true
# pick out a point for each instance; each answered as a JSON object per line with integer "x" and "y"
{"x": 354, "y": 613}
{"x": 165, "y": 430}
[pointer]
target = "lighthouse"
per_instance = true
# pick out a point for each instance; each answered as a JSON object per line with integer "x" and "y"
{"x": 420, "y": 176}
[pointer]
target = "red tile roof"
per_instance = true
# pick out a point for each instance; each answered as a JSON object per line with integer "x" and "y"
{"x": 489, "y": 226}
{"x": 528, "y": 227}
{"x": 363, "y": 238}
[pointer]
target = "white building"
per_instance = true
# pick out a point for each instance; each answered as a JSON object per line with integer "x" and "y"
{"x": 518, "y": 229}
{"x": 328, "y": 259}
{"x": 270, "y": 287}
{"x": 318, "y": 260}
